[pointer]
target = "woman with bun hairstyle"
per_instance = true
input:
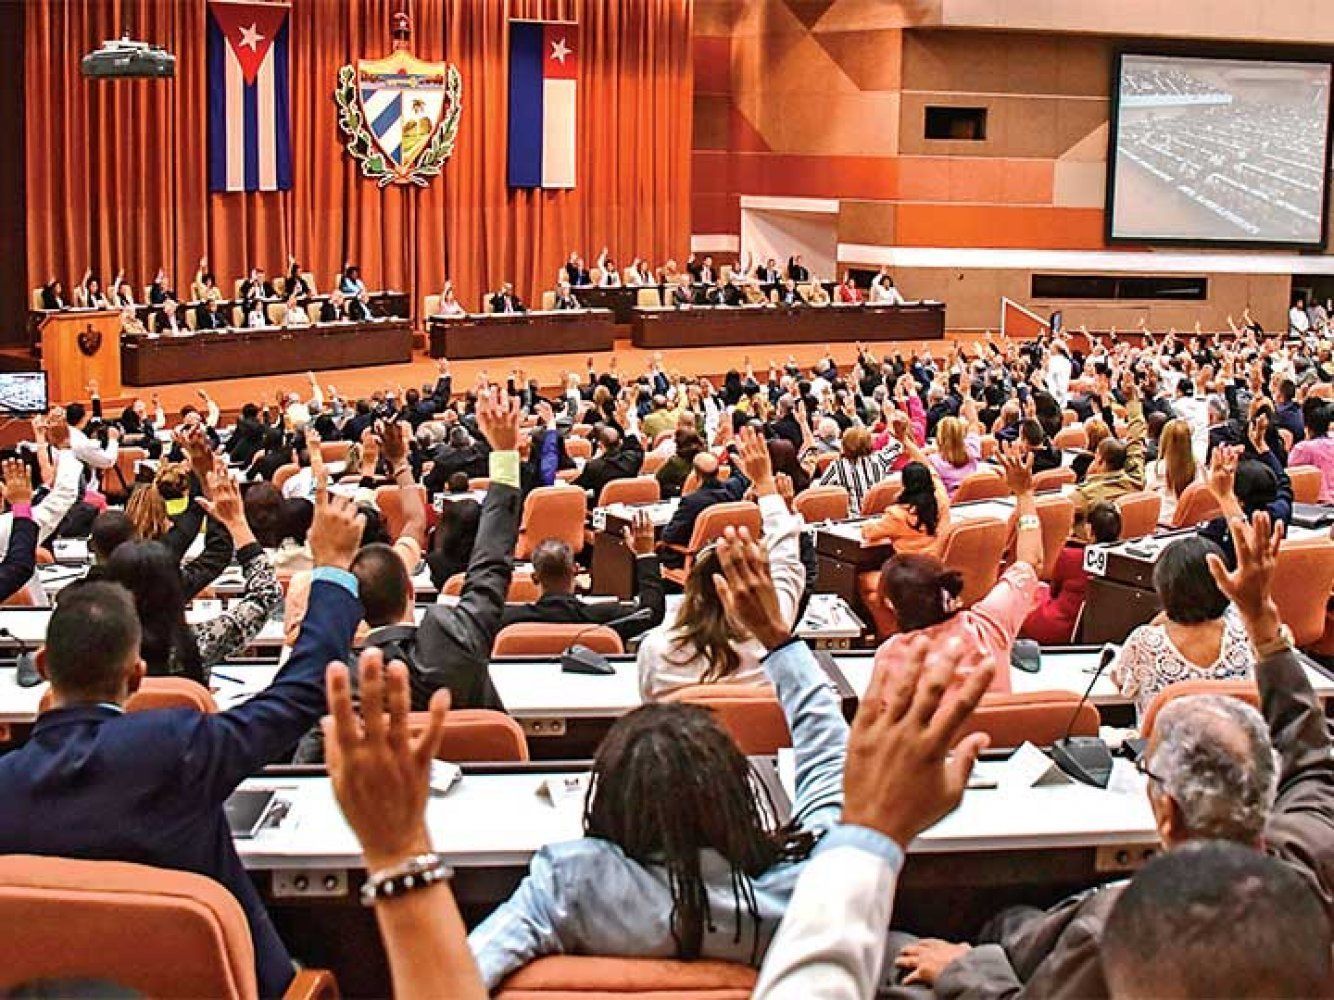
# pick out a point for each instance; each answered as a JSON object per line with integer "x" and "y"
{"x": 924, "y": 593}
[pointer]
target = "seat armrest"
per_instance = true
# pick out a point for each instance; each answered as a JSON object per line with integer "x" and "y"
{"x": 312, "y": 984}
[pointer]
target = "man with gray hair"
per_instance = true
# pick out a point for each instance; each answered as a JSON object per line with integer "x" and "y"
{"x": 1217, "y": 770}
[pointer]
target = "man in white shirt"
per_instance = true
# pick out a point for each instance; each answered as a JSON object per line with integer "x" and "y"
{"x": 1298, "y": 322}
{"x": 89, "y": 450}
{"x": 897, "y": 782}
{"x": 1059, "y": 370}
{"x": 1195, "y": 411}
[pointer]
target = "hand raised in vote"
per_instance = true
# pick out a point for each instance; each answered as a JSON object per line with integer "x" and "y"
{"x": 370, "y": 452}
{"x": 1250, "y": 586}
{"x": 753, "y": 454}
{"x": 223, "y": 503}
{"x": 898, "y": 779}
{"x": 393, "y": 441}
{"x": 335, "y": 532}
{"x": 498, "y": 418}
{"x": 1018, "y": 468}
{"x": 746, "y": 589}
{"x": 18, "y": 482}
{"x": 1223, "y": 470}
{"x": 640, "y": 537}
{"x": 381, "y": 775}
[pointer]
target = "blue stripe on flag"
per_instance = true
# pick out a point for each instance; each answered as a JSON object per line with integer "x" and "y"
{"x": 250, "y": 94}
{"x": 384, "y": 121}
{"x": 282, "y": 111}
{"x": 525, "y": 113}
{"x": 217, "y": 108}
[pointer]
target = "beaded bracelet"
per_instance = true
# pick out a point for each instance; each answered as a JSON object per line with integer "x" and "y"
{"x": 419, "y": 872}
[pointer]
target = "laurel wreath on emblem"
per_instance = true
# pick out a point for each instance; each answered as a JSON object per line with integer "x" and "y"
{"x": 361, "y": 143}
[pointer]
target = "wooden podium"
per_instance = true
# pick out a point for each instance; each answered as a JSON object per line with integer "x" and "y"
{"x": 79, "y": 346}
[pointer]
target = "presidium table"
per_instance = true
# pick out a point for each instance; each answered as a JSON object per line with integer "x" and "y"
{"x": 719, "y": 326}
{"x": 497, "y": 335}
{"x": 270, "y": 350}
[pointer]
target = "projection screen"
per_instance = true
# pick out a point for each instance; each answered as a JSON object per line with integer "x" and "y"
{"x": 1218, "y": 151}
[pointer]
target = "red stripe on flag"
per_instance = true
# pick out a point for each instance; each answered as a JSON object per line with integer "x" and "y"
{"x": 560, "y": 60}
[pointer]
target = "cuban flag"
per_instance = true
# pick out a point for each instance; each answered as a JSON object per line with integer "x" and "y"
{"x": 544, "y": 70}
{"x": 249, "y": 97}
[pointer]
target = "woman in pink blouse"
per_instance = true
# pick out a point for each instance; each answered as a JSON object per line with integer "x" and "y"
{"x": 924, "y": 592}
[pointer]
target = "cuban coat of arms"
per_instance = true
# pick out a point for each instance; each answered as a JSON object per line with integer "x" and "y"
{"x": 400, "y": 116}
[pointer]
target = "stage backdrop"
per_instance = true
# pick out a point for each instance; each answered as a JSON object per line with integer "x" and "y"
{"x": 118, "y": 171}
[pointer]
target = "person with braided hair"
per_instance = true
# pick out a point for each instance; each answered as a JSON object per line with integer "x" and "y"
{"x": 679, "y": 858}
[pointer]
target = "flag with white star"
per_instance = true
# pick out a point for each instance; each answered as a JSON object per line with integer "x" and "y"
{"x": 544, "y": 74}
{"x": 249, "y": 96}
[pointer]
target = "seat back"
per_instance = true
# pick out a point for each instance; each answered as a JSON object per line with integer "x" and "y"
{"x": 1303, "y": 579}
{"x": 879, "y": 497}
{"x": 277, "y": 313}
{"x": 980, "y": 486}
{"x": 156, "y": 931}
{"x": 120, "y": 483}
{"x": 711, "y": 523}
{"x": 822, "y": 503}
{"x": 1053, "y": 479}
{"x": 1057, "y": 515}
{"x": 750, "y": 713}
{"x": 653, "y": 461}
{"x": 158, "y": 692}
{"x": 975, "y": 548}
{"x": 431, "y": 305}
{"x": 566, "y": 977}
{"x": 551, "y": 639}
{"x": 1306, "y": 482}
{"x": 1072, "y": 436}
{"x": 35, "y": 300}
{"x": 548, "y": 301}
{"x": 389, "y": 501}
{"x": 645, "y": 298}
{"x": 1243, "y": 689}
{"x": 1037, "y": 717}
{"x": 641, "y": 489}
{"x": 1139, "y": 513}
{"x": 335, "y": 451}
{"x": 578, "y": 447}
{"x": 552, "y": 512}
{"x": 475, "y": 736}
{"x": 1197, "y": 503}
{"x": 523, "y": 588}
{"x": 284, "y": 473}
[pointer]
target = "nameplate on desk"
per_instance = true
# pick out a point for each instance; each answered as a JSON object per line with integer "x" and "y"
{"x": 1095, "y": 560}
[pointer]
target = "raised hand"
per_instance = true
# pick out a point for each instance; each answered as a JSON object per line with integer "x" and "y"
{"x": 381, "y": 776}
{"x": 1018, "y": 468}
{"x": 18, "y": 481}
{"x": 1250, "y": 586}
{"x": 394, "y": 442}
{"x": 370, "y": 452}
{"x": 753, "y": 454}
{"x": 223, "y": 503}
{"x": 498, "y": 418}
{"x": 1223, "y": 470}
{"x": 335, "y": 533}
{"x": 640, "y": 537}
{"x": 746, "y": 589}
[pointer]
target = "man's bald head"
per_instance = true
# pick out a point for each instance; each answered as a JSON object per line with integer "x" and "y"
{"x": 706, "y": 465}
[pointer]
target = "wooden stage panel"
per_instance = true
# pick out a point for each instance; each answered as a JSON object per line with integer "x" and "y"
{"x": 268, "y": 351}
{"x": 719, "y": 326}
{"x": 493, "y": 335}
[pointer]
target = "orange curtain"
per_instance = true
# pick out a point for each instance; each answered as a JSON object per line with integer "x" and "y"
{"x": 118, "y": 171}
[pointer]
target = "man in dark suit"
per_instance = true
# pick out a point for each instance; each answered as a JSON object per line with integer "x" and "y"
{"x": 451, "y": 648}
{"x": 796, "y": 270}
{"x": 620, "y": 458}
{"x": 554, "y": 571}
{"x": 788, "y": 294}
{"x": 767, "y": 273}
{"x": 683, "y": 295}
{"x": 505, "y": 301}
{"x": 712, "y": 490}
{"x": 94, "y": 782}
{"x": 576, "y": 273}
{"x": 170, "y": 320}
{"x": 209, "y": 317}
{"x": 255, "y": 286}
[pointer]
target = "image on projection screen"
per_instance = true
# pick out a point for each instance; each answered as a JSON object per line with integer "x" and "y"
{"x": 1220, "y": 149}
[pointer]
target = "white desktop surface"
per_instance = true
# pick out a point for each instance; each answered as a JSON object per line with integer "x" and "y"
{"x": 485, "y": 820}
{"x": 538, "y": 689}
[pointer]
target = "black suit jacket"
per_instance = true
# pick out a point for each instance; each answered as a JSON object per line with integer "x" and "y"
{"x": 206, "y": 319}
{"x": 567, "y": 302}
{"x": 577, "y": 276}
{"x": 498, "y": 303}
{"x": 798, "y": 273}
{"x": 682, "y": 525}
{"x": 451, "y": 648}
{"x": 623, "y": 463}
{"x": 255, "y": 290}
{"x": 51, "y": 301}
{"x": 149, "y": 788}
{"x": 561, "y": 609}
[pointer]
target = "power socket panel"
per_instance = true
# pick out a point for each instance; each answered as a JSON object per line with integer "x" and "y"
{"x": 310, "y": 883}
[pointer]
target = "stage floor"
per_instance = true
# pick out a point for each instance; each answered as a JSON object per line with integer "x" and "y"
{"x": 548, "y": 369}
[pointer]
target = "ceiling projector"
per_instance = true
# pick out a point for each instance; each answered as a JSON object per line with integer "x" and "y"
{"x": 124, "y": 59}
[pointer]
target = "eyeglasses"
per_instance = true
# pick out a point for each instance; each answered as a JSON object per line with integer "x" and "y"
{"x": 1141, "y": 765}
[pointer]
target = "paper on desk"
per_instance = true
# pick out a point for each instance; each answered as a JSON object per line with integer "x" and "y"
{"x": 1029, "y": 767}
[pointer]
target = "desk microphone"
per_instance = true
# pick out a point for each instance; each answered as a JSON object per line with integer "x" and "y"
{"x": 26, "y": 662}
{"x": 1086, "y": 758}
{"x": 581, "y": 660}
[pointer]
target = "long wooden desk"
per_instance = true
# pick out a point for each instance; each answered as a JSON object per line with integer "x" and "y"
{"x": 495, "y": 335}
{"x": 264, "y": 351}
{"x": 715, "y": 326}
